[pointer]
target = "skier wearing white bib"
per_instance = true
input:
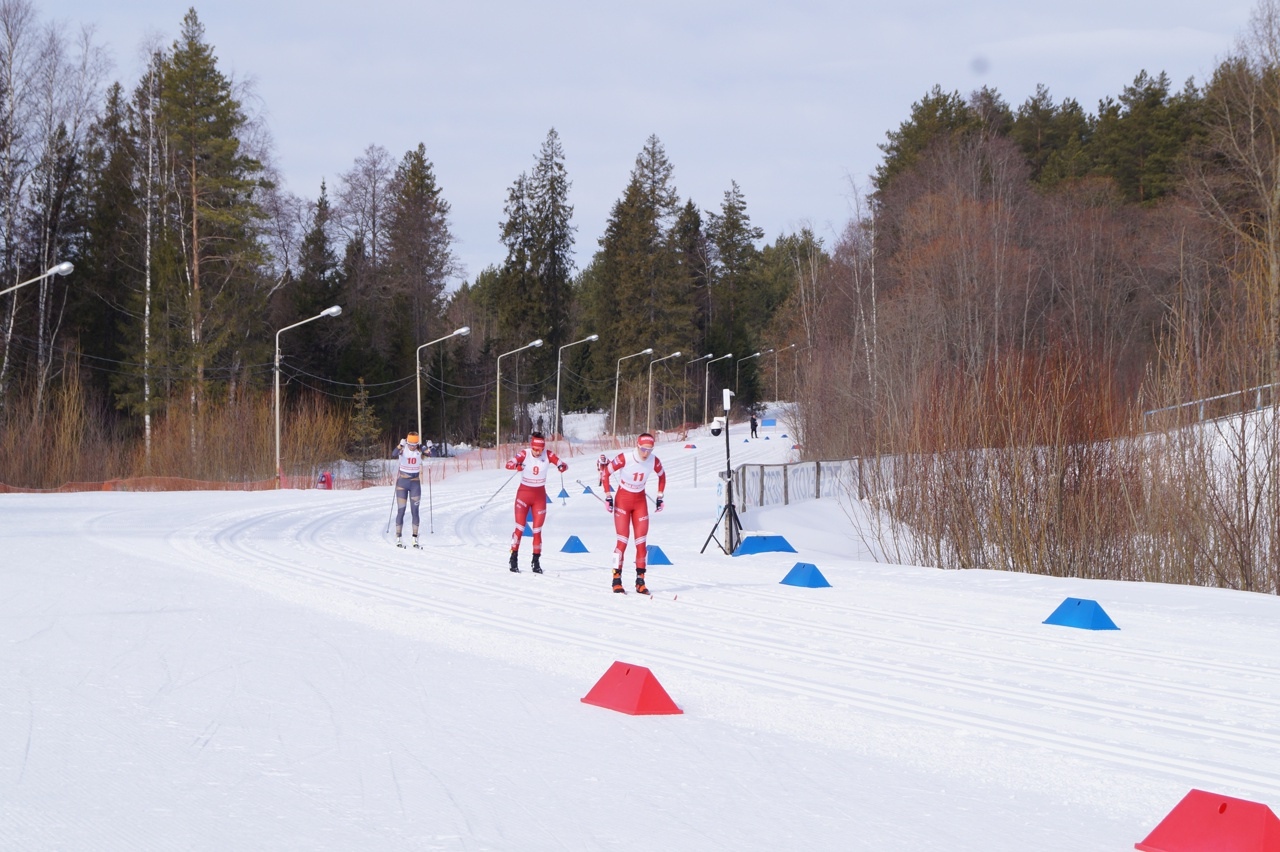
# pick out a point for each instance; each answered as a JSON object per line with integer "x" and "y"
{"x": 408, "y": 483}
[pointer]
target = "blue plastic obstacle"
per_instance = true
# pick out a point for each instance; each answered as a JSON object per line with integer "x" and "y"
{"x": 574, "y": 545}
{"x": 587, "y": 490}
{"x": 562, "y": 494}
{"x": 766, "y": 437}
{"x": 657, "y": 557}
{"x": 763, "y": 544}
{"x": 528, "y": 530}
{"x": 1085, "y": 614}
{"x": 807, "y": 575}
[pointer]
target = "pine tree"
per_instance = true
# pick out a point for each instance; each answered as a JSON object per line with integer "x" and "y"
{"x": 365, "y": 434}
{"x": 551, "y": 244}
{"x": 213, "y": 207}
{"x": 734, "y": 238}
{"x": 315, "y": 287}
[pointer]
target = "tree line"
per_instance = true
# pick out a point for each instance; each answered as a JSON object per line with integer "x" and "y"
{"x": 1131, "y": 253}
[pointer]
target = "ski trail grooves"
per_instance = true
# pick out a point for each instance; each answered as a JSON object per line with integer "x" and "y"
{"x": 488, "y": 600}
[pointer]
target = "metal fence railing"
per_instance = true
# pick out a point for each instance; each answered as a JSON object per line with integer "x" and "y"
{"x": 783, "y": 484}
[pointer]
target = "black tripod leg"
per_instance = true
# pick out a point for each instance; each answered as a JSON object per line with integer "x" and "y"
{"x": 714, "y": 527}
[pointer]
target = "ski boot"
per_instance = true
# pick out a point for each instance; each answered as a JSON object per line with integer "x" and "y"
{"x": 515, "y": 568}
{"x": 416, "y": 546}
{"x": 537, "y": 566}
{"x": 617, "y": 582}
{"x": 640, "y": 586}
{"x": 399, "y": 543}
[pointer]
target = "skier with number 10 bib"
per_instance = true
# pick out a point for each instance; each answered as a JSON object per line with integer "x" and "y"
{"x": 531, "y": 498}
{"x": 629, "y": 505}
{"x": 408, "y": 483}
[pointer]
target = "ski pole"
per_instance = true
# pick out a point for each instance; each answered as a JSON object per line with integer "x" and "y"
{"x": 392, "y": 512}
{"x": 431, "y": 514}
{"x": 500, "y": 487}
{"x": 585, "y": 487}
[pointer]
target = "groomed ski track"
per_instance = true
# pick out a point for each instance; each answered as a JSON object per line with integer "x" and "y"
{"x": 736, "y": 646}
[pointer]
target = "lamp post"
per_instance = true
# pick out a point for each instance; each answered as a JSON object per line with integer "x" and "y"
{"x": 559, "y": 353}
{"x": 737, "y": 368}
{"x": 462, "y": 332}
{"x": 497, "y": 414}
{"x": 327, "y": 312}
{"x": 684, "y": 412}
{"x": 706, "y": 388}
{"x": 63, "y": 268}
{"x": 613, "y": 423}
{"x": 777, "y": 391}
{"x": 648, "y": 414}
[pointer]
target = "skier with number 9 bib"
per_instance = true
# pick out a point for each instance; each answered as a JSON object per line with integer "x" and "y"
{"x": 629, "y": 504}
{"x": 534, "y": 464}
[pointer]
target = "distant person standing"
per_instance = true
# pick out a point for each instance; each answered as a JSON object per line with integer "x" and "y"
{"x": 601, "y": 464}
{"x": 531, "y": 498}
{"x": 754, "y": 424}
{"x": 408, "y": 484}
{"x": 629, "y": 505}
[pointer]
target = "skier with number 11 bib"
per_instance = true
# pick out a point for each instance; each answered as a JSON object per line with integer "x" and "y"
{"x": 629, "y": 504}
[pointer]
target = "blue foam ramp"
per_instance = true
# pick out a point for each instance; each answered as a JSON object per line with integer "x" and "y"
{"x": 806, "y": 574}
{"x": 656, "y": 556}
{"x": 1082, "y": 613}
{"x": 574, "y": 545}
{"x": 763, "y": 544}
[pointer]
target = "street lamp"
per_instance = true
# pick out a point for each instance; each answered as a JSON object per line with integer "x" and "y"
{"x": 559, "y": 353}
{"x": 684, "y": 397}
{"x": 327, "y": 312}
{"x": 616, "y": 378}
{"x": 706, "y": 387}
{"x": 462, "y": 332}
{"x": 648, "y": 414}
{"x": 497, "y": 415}
{"x": 777, "y": 391}
{"x": 63, "y": 268}
{"x": 737, "y": 367}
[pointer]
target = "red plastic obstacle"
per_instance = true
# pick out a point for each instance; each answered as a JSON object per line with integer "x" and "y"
{"x": 1208, "y": 822}
{"x": 632, "y": 690}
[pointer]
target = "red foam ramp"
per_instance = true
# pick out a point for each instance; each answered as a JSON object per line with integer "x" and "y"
{"x": 632, "y": 690}
{"x": 1208, "y": 822}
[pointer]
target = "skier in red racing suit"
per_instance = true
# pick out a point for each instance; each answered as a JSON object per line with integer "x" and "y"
{"x": 629, "y": 504}
{"x": 533, "y": 463}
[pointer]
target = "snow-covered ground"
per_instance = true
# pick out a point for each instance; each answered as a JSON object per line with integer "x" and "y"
{"x": 248, "y": 671}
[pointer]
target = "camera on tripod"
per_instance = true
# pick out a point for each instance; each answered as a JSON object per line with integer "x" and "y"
{"x": 728, "y": 514}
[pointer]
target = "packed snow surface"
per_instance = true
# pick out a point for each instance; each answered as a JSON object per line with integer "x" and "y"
{"x": 225, "y": 670}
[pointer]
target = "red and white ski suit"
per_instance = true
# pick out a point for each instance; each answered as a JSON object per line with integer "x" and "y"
{"x": 531, "y": 497}
{"x": 630, "y": 504}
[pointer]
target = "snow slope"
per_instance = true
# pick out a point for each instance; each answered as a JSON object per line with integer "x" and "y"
{"x": 265, "y": 671}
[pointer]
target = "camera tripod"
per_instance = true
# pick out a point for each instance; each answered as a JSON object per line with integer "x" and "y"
{"x": 732, "y": 526}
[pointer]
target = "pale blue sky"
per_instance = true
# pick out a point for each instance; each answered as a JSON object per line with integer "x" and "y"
{"x": 788, "y": 100}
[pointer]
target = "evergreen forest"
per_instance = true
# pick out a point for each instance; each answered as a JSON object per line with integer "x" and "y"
{"x": 1038, "y": 274}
